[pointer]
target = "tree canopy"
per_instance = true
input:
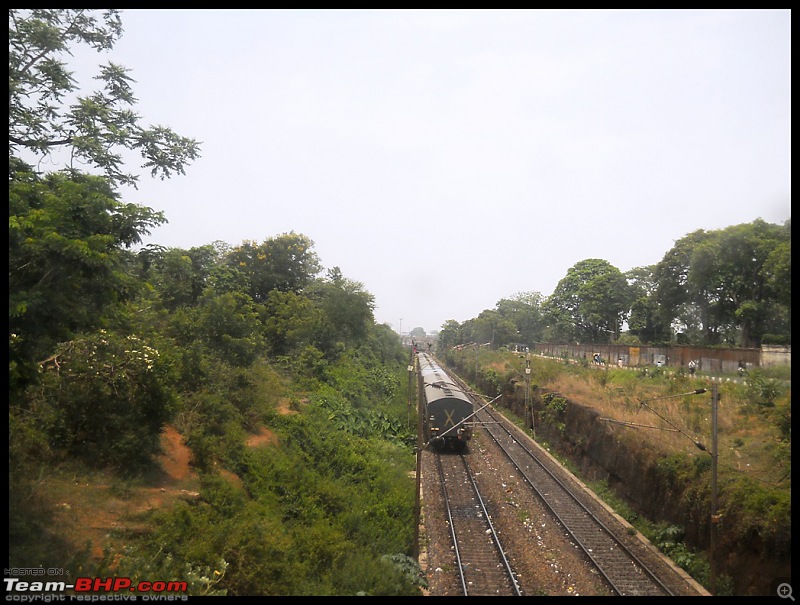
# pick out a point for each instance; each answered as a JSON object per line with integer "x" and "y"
{"x": 729, "y": 287}
{"x": 591, "y": 302}
{"x": 48, "y": 114}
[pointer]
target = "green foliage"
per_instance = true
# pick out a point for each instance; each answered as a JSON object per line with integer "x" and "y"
{"x": 217, "y": 415}
{"x": 227, "y": 527}
{"x": 723, "y": 286}
{"x": 66, "y": 266}
{"x": 762, "y": 515}
{"x": 492, "y": 327}
{"x": 556, "y": 405}
{"x": 393, "y": 574}
{"x": 227, "y": 325}
{"x": 289, "y": 322}
{"x": 45, "y": 115}
{"x": 669, "y": 539}
{"x": 106, "y": 399}
{"x": 761, "y": 390}
{"x": 490, "y": 381}
{"x": 673, "y": 469}
{"x": 346, "y": 313}
{"x": 591, "y": 302}
{"x": 201, "y": 580}
{"x": 308, "y": 366}
{"x": 179, "y": 276}
{"x": 286, "y": 263}
{"x": 524, "y": 310}
{"x": 554, "y": 409}
{"x": 334, "y": 504}
{"x": 222, "y": 335}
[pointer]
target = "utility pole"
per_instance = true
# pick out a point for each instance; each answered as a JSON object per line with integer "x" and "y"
{"x": 714, "y": 516}
{"x": 528, "y": 401}
{"x": 410, "y": 391}
{"x": 417, "y": 498}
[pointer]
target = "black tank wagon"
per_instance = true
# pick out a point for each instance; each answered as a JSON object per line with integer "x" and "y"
{"x": 448, "y": 409}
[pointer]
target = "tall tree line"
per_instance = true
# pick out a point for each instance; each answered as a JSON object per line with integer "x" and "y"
{"x": 727, "y": 287}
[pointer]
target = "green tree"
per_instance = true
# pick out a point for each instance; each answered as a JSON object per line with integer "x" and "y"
{"x": 778, "y": 276}
{"x": 181, "y": 276}
{"x": 383, "y": 341}
{"x": 228, "y": 324}
{"x": 744, "y": 278}
{"x": 66, "y": 264}
{"x": 490, "y": 326}
{"x": 47, "y": 113}
{"x": 525, "y": 311}
{"x": 645, "y": 321}
{"x": 347, "y": 311}
{"x": 450, "y": 335}
{"x": 676, "y": 307}
{"x": 591, "y": 302}
{"x": 289, "y": 321}
{"x": 286, "y": 263}
{"x": 722, "y": 286}
{"x": 778, "y": 270}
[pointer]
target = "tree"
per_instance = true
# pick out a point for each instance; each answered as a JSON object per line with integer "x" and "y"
{"x": 525, "y": 311}
{"x": 591, "y": 302}
{"x": 645, "y": 321}
{"x": 671, "y": 275}
{"x": 286, "y": 263}
{"x": 347, "y": 311}
{"x": 450, "y": 335}
{"x": 46, "y": 113}
{"x": 65, "y": 264}
{"x": 778, "y": 276}
{"x": 744, "y": 279}
{"x": 227, "y": 324}
{"x": 68, "y": 231}
{"x": 720, "y": 286}
{"x": 289, "y": 321}
{"x": 778, "y": 271}
{"x": 181, "y": 276}
{"x": 418, "y": 332}
{"x": 104, "y": 398}
{"x": 492, "y": 327}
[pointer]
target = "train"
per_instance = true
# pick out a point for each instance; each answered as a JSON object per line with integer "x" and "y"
{"x": 448, "y": 410}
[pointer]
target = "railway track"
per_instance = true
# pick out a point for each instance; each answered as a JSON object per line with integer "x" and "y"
{"x": 628, "y": 565}
{"x": 625, "y": 572}
{"x": 482, "y": 565}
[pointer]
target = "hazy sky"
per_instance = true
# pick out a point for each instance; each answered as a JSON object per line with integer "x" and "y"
{"x": 447, "y": 159}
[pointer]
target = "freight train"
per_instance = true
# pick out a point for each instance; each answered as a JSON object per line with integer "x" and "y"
{"x": 447, "y": 408}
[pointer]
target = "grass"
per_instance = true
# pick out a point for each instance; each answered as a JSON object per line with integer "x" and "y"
{"x": 661, "y": 412}
{"x": 750, "y": 439}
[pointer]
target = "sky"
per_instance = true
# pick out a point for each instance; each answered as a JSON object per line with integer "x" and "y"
{"x": 448, "y": 159}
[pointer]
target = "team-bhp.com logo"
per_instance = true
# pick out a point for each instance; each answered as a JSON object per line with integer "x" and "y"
{"x": 93, "y": 589}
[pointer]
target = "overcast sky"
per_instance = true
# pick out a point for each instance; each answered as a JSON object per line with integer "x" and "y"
{"x": 447, "y": 159}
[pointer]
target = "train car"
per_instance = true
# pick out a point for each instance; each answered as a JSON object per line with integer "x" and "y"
{"x": 448, "y": 409}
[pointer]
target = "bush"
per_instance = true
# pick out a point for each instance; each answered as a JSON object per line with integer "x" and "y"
{"x": 106, "y": 398}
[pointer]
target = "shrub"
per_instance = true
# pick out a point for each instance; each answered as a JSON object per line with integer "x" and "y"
{"x": 108, "y": 398}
